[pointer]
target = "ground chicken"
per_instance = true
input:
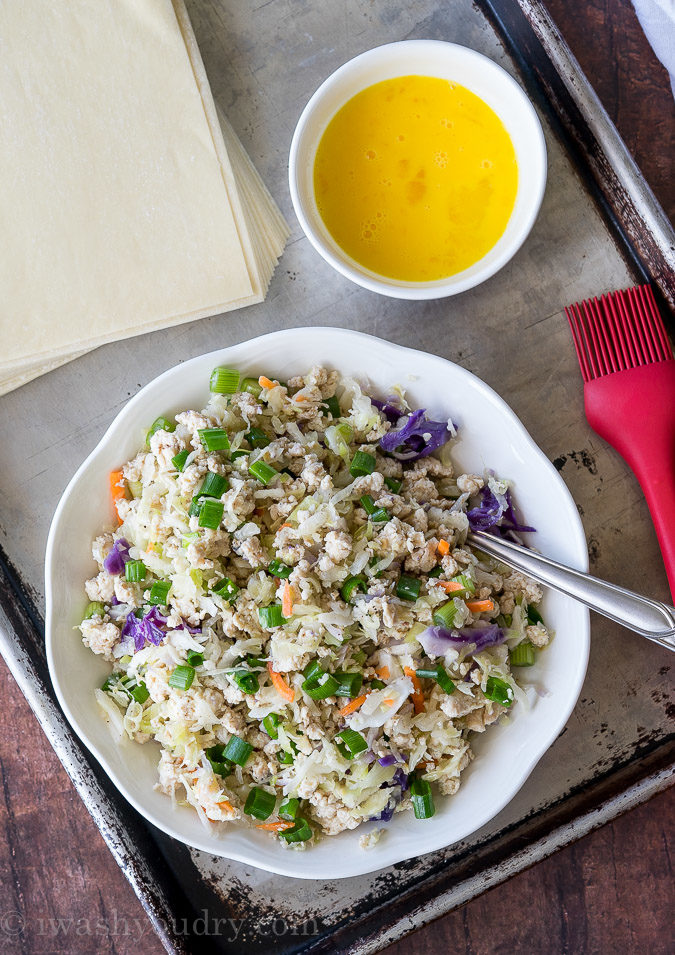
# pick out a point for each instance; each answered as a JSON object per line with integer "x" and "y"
{"x": 252, "y": 551}
{"x": 101, "y": 587}
{"x": 470, "y": 483}
{"x": 99, "y": 636}
{"x": 338, "y": 545}
{"x": 538, "y": 635}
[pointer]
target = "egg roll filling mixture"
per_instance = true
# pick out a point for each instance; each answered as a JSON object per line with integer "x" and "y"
{"x": 292, "y": 611}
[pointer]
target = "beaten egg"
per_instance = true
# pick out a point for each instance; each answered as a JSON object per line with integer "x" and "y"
{"x": 415, "y": 178}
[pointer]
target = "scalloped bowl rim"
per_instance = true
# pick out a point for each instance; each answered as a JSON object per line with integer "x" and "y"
{"x": 64, "y": 652}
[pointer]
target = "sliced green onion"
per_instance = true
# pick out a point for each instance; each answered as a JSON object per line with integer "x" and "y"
{"x": 240, "y": 453}
{"x": 260, "y": 803}
{"x": 408, "y": 588}
{"x": 211, "y": 513}
{"x": 380, "y": 515}
{"x": 286, "y": 759}
{"x": 214, "y": 439}
{"x": 134, "y": 570}
{"x": 499, "y": 691}
{"x": 140, "y": 692}
{"x": 214, "y": 486}
{"x": 246, "y": 681}
{"x": 289, "y": 809}
{"x": 444, "y": 615}
{"x": 440, "y": 676}
{"x": 159, "y": 424}
{"x": 368, "y": 504}
{"x": 312, "y": 670}
{"x": 523, "y": 655}
{"x": 195, "y": 659}
{"x": 252, "y": 386}
{"x": 159, "y": 592}
{"x": 349, "y": 684}
{"x": 271, "y": 616}
{"x": 277, "y": 569}
{"x": 362, "y": 463}
{"x": 270, "y": 722}
{"x": 301, "y": 831}
{"x": 262, "y": 471}
{"x": 195, "y": 507}
{"x": 137, "y": 691}
{"x": 353, "y": 742}
{"x": 257, "y": 438}
{"x": 378, "y": 684}
{"x": 468, "y": 585}
{"x": 224, "y": 381}
{"x": 178, "y": 460}
{"x": 332, "y": 406}
{"x": 226, "y": 588}
{"x": 93, "y": 609}
{"x": 393, "y": 484}
{"x": 255, "y": 662}
{"x": 321, "y": 687}
{"x": 215, "y": 755}
{"x": 351, "y": 584}
{"x": 533, "y": 615}
{"x": 182, "y": 677}
{"x": 436, "y": 572}
{"x": 422, "y": 798}
{"x": 237, "y": 751}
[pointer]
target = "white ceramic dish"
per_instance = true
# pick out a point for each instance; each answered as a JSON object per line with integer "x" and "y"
{"x": 505, "y": 756}
{"x": 422, "y": 58}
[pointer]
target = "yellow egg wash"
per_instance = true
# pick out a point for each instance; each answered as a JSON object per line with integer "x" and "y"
{"x": 415, "y": 178}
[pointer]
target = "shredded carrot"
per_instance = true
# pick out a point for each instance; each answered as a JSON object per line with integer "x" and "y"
{"x": 226, "y": 805}
{"x": 300, "y": 398}
{"x": 353, "y": 705}
{"x": 265, "y": 382}
{"x": 480, "y": 606}
{"x": 276, "y": 826}
{"x": 443, "y": 547}
{"x": 118, "y": 490}
{"x": 449, "y": 586}
{"x": 287, "y": 600}
{"x": 280, "y": 685}
{"x": 284, "y": 525}
{"x": 418, "y": 695}
{"x": 383, "y": 672}
{"x": 389, "y": 701}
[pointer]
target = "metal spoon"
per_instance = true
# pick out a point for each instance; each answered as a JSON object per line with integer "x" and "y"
{"x": 649, "y": 618}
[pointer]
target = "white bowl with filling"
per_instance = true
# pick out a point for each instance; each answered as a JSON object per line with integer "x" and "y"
{"x": 489, "y": 436}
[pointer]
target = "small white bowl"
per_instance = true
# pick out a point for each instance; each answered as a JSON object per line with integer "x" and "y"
{"x": 490, "y": 435}
{"x": 422, "y": 58}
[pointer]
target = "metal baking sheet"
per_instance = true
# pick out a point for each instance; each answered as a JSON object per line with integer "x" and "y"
{"x": 263, "y": 63}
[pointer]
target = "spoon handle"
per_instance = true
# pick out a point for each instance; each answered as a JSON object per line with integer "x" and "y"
{"x": 649, "y": 618}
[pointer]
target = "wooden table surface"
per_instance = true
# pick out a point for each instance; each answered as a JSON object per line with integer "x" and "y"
{"x": 61, "y": 891}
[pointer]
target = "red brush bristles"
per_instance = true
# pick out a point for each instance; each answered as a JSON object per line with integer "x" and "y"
{"x": 618, "y": 331}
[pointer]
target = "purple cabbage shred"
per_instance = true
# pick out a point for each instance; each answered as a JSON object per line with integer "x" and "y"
{"x": 400, "y": 780}
{"x": 117, "y": 557}
{"x": 148, "y": 628}
{"x": 495, "y": 511}
{"x": 436, "y": 641}
{"x": 388, "y": 408}
{"x": 416, "y": 438}
{"x": 388, "y": 760}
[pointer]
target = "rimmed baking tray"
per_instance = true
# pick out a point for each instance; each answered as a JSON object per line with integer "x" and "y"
{"x": 600, "y": 228}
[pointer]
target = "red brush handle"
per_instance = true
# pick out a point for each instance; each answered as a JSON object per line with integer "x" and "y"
{"x": 634, "y": 411}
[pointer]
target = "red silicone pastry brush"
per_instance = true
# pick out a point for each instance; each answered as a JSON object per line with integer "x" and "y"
{"x": 628, "y": 369}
